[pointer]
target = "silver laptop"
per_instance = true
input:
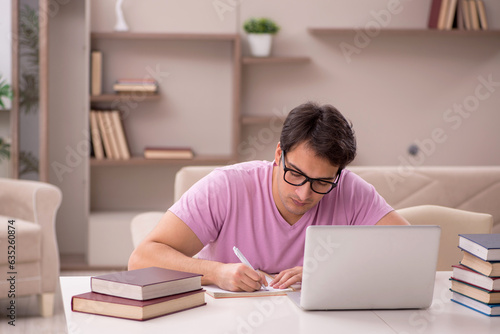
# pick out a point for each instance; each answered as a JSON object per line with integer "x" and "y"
{"x": 368, "y": 267}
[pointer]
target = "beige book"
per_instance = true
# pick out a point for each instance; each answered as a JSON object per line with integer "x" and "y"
{"x": 466, "y": 14}
{"x": 442, "y": 14}
{"x": 120, "y": 135}
{"x": 96, "y": 136}
{"x": 474, "y": 15}
{"x": 96, "y": 73}
{"x": 108, "y": 121}
{"x": 482, "y": 14}
{"x": 105, "y": 134}
{"x": 450, "y": 14}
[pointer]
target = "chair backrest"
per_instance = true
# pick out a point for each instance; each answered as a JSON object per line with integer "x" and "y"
{"x": 453, "y": 222}
{"x": 142, "y": 224}
{"x": 187, "y": 176}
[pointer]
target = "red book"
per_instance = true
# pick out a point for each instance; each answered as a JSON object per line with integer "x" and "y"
{"x": 147, "y": 283}
{"x": 96, "y": 303}
{"x": 434, "y": 14}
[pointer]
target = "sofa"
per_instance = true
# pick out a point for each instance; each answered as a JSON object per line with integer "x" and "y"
{"x": 475, "y": 189}
{"x": 29, "y": 260}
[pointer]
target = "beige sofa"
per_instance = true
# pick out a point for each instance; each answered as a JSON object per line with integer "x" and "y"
{"x": 474, "y": 189}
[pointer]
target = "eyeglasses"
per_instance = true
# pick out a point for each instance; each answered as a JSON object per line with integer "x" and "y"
{"x": 296, "y": 178}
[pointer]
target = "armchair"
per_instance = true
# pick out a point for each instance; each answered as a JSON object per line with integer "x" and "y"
{"x": 27, "y": 221}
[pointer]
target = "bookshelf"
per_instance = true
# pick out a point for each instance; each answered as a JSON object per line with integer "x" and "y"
{"x": 388, "y": 31}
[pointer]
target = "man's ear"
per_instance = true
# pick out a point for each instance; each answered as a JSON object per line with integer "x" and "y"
{"x": 277, "y": 154}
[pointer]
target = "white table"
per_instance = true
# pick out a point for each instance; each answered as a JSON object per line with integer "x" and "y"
{"x": 278, "y": 314}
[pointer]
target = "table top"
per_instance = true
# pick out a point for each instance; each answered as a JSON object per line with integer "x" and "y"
{"x": 278, "y": 314}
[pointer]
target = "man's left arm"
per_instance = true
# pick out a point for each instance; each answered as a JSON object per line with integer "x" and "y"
{"x": 392, "y": 218}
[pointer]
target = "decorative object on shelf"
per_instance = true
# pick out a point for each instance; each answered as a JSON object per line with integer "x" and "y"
{"x": 121, "y": 25}
{"x": 260, "y": 35}
{"x": 5, "y": 92}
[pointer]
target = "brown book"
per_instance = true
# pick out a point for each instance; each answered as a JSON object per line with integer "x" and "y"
{"x": 119, "y": 133}
{"x": 146, "y": 283}
{"x": 96, "y": 73}
{"x": 472, "y": 291}
{"x": 96, "y": 303}
{"x": 96, "y": 136}
{"x": 168, "y": 153}
{"x": 466, "y": 14}
{"x": 488, "y": 268}
{"x": 482, "y": 14}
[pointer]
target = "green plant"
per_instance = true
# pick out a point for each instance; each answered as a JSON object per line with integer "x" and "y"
{"x": 260, "y": 26}
{"x": 5, "y": 92}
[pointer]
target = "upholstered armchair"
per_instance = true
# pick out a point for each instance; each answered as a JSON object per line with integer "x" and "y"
{"x": 27, "y": 234}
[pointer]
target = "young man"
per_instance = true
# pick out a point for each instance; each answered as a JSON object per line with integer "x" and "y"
{"x": 264, "y": 208}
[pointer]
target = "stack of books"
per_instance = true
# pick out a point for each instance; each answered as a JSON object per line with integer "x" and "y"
{"x": 108, "y": 136}
{"x": 475, "y": 283}
{"x": 129, "y": 86}
{"x": 459, "y": 14}
{"x": 141, "y": 294}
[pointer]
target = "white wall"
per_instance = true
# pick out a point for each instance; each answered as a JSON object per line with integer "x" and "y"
{"x": 5, "y": 71}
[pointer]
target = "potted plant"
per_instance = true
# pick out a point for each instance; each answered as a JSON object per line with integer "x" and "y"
{"x": 260, "y": 32}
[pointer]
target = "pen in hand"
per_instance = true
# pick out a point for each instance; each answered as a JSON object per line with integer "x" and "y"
{"x": 244, "y": 260}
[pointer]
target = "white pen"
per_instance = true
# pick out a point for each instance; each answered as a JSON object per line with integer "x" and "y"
{"x": 244, "y": 260}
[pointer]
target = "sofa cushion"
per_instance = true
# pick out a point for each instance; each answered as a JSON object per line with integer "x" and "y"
{"x": 27, "y": 237}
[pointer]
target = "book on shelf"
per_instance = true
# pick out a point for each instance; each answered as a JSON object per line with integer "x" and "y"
{"x": 96, "y": 73}
{"x": 146, "y": 283}
{"x": 467, "y": 275}
{"x": 475, "y": 292}
{"x": 107, "y": 128}
{"x": 216, "y": 292}
{"x": 492, "y": 310}
{"x": 486, "y": 246}
{"x": 135, "y": 85}
{"x": 451, "y": 12}
{"x": 474, "y": 16}
{"x": 168, "y": 153}
{"x": 112, "y": 306}
{"x": 434, "y": 14}
{"x": 96, "y": 136}
{"x": 488, "y": 268}
{"x": 481, "y": 10}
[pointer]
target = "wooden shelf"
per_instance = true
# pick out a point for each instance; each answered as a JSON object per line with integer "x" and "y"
{"x": 163, "y": 36}
{"x": 141, "y": 161}
{"x": 258, "y": 120}
{"x": 274, "y": 60}
{"x": 117, "y": 97}
{"x": 332, "y": 31}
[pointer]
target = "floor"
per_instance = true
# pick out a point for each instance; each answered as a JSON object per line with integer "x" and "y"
{"x": 27, "y": 319}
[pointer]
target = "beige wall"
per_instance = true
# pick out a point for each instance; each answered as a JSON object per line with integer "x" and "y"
{"x": 398, "y": 89}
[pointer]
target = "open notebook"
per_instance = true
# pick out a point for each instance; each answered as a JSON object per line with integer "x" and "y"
{"x": 217, "y": 292}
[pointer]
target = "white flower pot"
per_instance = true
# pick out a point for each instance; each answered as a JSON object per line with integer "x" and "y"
{"x": 260, "y": 44}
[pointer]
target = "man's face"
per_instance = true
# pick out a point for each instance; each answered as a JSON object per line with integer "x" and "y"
{"x": 293, "y": 201}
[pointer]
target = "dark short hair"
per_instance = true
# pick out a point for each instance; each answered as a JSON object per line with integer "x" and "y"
{"x": 324, "y": 129}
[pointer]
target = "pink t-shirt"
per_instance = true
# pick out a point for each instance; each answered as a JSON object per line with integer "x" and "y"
{"x": 234, "y": 206}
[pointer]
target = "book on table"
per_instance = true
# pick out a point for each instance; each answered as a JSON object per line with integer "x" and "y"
{"x": 146, "y": 283}
{"x": 97, "y": 303}
{"x": 484, "y": 246}
{"x": 475, "y": 292}
{"x": 467, "y": 275}
{"x": 488, "y": 268}
{"x": 492, "y": 310}
{"x": 168, "y": 153}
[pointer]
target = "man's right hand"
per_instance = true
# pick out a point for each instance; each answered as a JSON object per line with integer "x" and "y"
{"x": 238, "y": 277}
